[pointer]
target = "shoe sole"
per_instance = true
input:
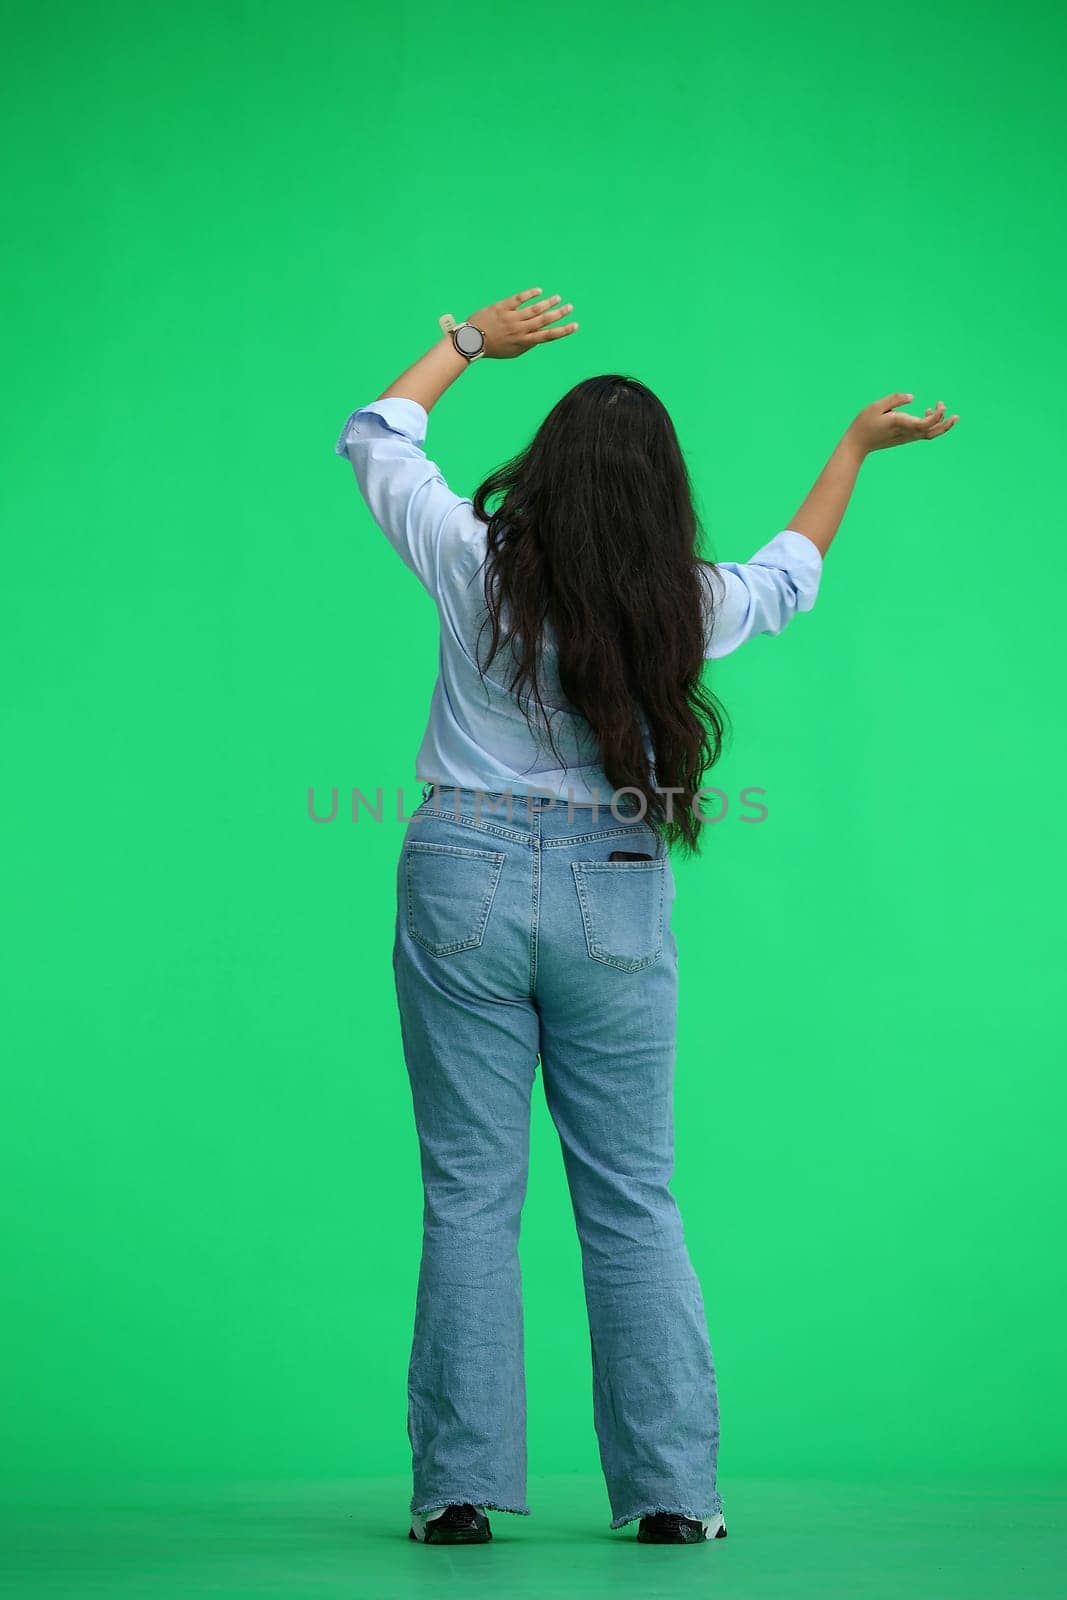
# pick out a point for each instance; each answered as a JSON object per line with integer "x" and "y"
{"x": 714, "y": 1528}
{"x": 452, "y": 1538}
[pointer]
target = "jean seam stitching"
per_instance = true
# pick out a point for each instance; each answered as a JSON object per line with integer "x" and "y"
{"x": 536, "y": 907}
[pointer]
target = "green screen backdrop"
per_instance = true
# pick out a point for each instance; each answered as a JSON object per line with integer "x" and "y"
{"x": 228, "y": 226}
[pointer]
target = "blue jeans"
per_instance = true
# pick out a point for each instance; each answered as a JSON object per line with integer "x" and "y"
{"x": 517, "y": 939}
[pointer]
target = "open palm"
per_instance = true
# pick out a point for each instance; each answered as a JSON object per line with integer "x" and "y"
{"x": 880, "y": 425}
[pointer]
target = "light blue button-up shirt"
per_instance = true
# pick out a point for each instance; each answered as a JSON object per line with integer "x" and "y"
{"x": 477, "y": 736}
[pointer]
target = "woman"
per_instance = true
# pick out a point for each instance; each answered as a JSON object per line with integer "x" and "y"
{"x": 568, "y": 734}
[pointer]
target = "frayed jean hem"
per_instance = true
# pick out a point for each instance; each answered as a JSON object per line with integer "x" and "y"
{"x": 467, "y": 1500}
{"x": 715, "y": 1509}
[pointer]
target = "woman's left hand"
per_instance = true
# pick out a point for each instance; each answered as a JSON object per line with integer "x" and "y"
{"x": 518, "y": 323}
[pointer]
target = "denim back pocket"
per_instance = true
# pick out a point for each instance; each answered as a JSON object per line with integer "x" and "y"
{"x": 450, "y": 891}
{"x": 622, "y": 909}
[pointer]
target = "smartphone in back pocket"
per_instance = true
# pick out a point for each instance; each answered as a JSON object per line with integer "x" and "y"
{"x": 629, "y": 855}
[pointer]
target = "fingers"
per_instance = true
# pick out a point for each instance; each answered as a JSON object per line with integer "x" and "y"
{"x": 535, "y": 309}
{"x": 538, "y": 319}
{"x": 541, "y": 320}
{"x": 554, "y": 333}
{"x": 559, "y": 330}
{"x": 937, "y": 421}
{"x": 932, "y": 424}
{"x": 555, "y": 314}
{"x": 928, "y": 426}
{"x": 542, "y": 310}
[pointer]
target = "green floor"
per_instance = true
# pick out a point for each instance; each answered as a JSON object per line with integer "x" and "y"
{"x": 787, "y": 1539}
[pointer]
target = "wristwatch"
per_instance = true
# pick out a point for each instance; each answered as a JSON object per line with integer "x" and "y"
{"x": 468, "y": 339}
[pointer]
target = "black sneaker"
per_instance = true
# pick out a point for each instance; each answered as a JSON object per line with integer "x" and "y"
{"x": 670, "y": 1527}
{"x": 452, "y": 1525}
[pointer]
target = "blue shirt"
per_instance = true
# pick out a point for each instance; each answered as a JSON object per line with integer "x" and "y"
{"x": 477, "y": 736}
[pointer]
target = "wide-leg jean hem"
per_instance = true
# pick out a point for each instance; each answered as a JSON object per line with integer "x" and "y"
{"x": 716, "y": 1508}
{"x": 467, "y": 1500}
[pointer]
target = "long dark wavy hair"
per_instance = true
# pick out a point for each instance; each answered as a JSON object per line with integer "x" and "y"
{"x": 597, "y": 535}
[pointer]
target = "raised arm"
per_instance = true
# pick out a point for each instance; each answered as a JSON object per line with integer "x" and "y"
{"x": 876, "y": 427}
{"x": 761, "y": 595}
{"x": 404, "y": 490}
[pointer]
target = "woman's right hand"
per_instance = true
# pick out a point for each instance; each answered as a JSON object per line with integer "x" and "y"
{"x": 880, "y": 425}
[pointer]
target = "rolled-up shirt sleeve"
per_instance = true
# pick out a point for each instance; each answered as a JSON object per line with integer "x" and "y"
{"x": 405, "y": 491}
{"x": 761, "y": 595}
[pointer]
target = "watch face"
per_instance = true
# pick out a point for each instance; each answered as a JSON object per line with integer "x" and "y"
{"x": 469, "y": 339}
